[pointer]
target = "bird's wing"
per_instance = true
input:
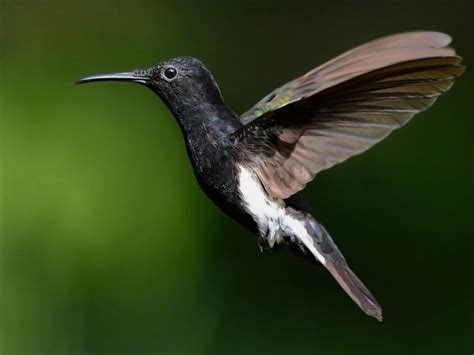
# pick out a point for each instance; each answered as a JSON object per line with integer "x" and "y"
{"x": 344, "y": 107}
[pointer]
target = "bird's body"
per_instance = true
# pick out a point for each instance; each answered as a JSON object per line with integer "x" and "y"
{"x": 224, "y": 177}
{"x": 235, "y": 188}
{"x": 254, "y": 165}
{"x": 214, "y": 155}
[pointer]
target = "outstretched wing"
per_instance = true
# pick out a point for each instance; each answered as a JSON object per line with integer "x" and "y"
{"x": 344, "y": 107}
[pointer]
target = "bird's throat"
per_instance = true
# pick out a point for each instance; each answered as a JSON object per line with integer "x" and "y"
{"x": 207, "y": 122}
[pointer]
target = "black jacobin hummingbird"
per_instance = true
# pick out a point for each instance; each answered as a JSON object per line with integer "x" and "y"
{"x": 253, "y": 166}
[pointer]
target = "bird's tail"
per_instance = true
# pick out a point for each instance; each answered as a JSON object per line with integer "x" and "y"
{"x": 355, "y": 288}
{"x": 325, "y": 250}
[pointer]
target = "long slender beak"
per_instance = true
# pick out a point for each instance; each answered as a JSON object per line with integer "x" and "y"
{"x": 137, "y": 77}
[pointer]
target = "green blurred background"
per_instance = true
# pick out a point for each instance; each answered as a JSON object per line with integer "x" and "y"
{"x": 108, "y": 246}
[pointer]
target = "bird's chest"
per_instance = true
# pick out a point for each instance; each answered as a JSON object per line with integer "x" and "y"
{"x": 216, "y": 174}
{"x": 214, "y": 170}
{"x": 218, "y": 180}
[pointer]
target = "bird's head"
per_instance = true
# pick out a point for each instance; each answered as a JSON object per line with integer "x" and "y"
{"x": 182, "y": 83}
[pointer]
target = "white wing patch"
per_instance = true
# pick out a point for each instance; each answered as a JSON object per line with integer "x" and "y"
{"x": 272, "y": 216}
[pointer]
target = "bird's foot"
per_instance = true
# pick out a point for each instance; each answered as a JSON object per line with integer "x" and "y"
{"x": 270, "y": 239}
{"x": 263, "y": 243}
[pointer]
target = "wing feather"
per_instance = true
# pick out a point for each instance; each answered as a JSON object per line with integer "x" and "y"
{"x": 363, "y": 59}
{"x": 344, "y": 107}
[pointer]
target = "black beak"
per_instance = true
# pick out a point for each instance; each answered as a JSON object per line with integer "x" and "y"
{"x": 140, "y": 77}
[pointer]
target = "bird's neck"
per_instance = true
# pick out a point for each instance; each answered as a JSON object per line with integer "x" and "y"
{"x": 207, "y": 122}
{"x": 205, "y": 129}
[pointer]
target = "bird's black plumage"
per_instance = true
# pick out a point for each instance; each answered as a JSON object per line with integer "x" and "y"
{"x": 253, "y": 166}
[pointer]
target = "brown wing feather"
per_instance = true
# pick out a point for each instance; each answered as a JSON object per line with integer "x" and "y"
{"x": 363, "y": 59}
{"x": 353, "y": 111}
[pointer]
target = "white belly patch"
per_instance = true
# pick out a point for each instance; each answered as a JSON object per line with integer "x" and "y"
{"x": 270, "y": 215}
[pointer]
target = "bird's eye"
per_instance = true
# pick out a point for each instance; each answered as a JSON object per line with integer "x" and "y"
{"x": 170, "y": 73}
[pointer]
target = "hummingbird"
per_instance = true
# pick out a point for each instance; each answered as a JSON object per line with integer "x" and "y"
{"x": 253, "y": 166}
